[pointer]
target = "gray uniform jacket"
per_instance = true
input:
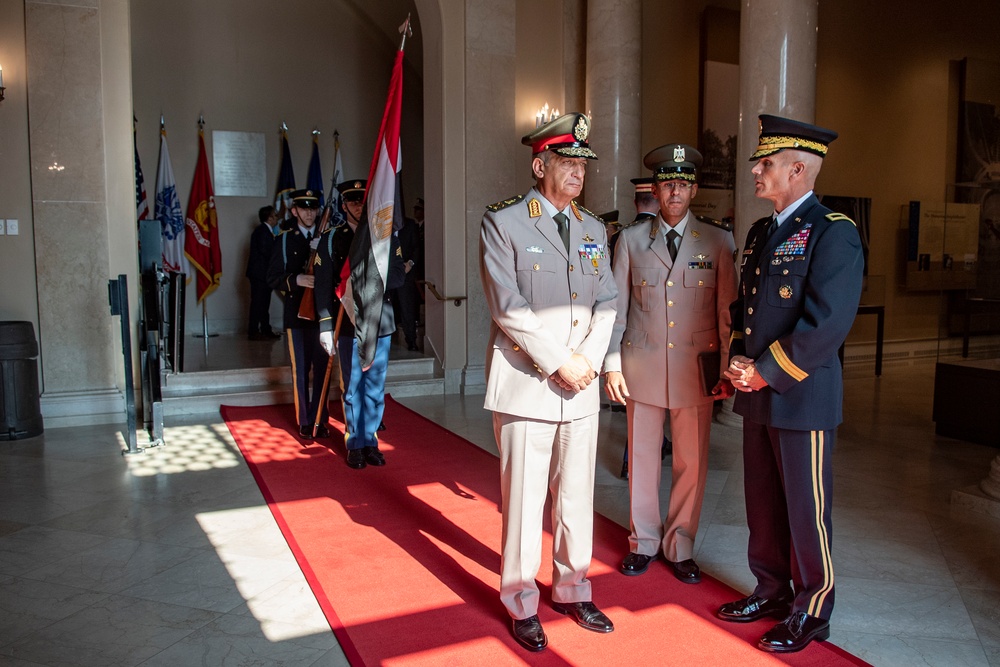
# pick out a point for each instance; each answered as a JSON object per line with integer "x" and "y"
{"x": 545, "y": 306}
{"x": 669, "y": 312}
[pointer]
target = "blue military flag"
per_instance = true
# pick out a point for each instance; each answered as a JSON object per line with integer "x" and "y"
{"x": 314, "y": 180}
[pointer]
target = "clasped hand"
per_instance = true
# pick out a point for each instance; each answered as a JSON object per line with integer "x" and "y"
{"x": 575, "y": 375}
{"x": 742, "y": 372}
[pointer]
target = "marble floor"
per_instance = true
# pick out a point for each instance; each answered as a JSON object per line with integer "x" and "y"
{"x": 170, "y": 557}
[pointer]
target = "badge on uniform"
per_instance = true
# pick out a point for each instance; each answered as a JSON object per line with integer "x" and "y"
{"x": 785, "y": 291}
{"x": 700, "y": 262}
{"x": 593, "y": 252}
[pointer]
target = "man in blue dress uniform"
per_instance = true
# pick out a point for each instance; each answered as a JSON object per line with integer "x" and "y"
{"x": 800, "y": 284}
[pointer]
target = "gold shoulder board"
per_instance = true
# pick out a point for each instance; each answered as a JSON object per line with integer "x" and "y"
{"x": 578, "y": 208}
{"x": 500, "y": 205}
{"x": 721, "y": 224}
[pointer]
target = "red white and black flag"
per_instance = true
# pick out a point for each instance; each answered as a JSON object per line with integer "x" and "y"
{"x": 369, "y": 255}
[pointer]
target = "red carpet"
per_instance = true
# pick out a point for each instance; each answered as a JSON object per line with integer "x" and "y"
{"x": 405, "y": 564}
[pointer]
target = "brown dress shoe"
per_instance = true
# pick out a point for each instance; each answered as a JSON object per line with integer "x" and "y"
{"x": 794, "y": 633}
{"x": 529, "y": 633}
{"x": 586, "y": 615}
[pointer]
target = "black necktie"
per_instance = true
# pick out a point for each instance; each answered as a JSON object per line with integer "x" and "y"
{"x": 672, "y": 237}
{"x": 771, "y": 226}
{"x": 309, "y": 236}
{"x": 562, "y": 222}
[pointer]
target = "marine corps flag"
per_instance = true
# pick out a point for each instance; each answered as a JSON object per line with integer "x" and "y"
{"x": 201, "y": 238}
{"x": 369, "y": 254}
{"x": 286, "y": 181}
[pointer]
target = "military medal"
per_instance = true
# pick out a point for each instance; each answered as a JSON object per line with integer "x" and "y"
{"x": 785, "y": 291}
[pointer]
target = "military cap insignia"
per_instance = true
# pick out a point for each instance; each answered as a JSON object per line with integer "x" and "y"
{"x": 534, "y": 208}
{"x": 785, "y": 291}
{"x": 679, "y": 154}
{"x": 500, "y": 205}
{"x": 582, "y": 128}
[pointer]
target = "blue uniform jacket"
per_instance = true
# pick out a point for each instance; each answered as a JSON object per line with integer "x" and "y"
{"x": 798, "y": 296}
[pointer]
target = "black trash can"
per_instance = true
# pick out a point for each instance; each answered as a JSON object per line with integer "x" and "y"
{"x": 20, "y": 412}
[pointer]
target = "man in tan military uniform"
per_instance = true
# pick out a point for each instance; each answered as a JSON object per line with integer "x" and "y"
{"x": 676, "y": 278}
{"x": 548, "y": 284}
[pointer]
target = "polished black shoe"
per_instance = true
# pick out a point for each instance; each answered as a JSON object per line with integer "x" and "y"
{"x": 754, "y": 607}
{"x": 586, "y": 615}
{"x": 322, "y": 431}
{"x": 529, "y": 633}
{"x": 374, "y": 457}
{"x": 356, "y": 458}
{"x": 666, "y": 449}
{"x": 306, "y": 432}
{"x": 794, "y": 633}
{"x": 686, "y": 570}
{"x": 635, "y": 564}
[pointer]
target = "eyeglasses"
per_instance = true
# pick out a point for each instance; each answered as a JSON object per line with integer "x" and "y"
{"x": 676, "y": 185}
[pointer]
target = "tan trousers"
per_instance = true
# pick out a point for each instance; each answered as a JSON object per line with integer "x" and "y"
{"x": 536, "y": 457}
{"x": 690, "y": 428}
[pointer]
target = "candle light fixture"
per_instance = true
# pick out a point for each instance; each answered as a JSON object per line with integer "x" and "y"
{"x": 545, "y": 116}
{"x": 1, "y": 83}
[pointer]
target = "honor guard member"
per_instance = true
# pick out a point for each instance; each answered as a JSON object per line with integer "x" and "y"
{"x": 548, "y": 284}
{"x": 800, "y": 284}
{"x": 676, "y": 279}
{"x": 611, "y": 224}
{"x": 287, "y": 274}
{"x": 364, "y": 389}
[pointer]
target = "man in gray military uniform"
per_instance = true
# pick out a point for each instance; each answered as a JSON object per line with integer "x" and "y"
{"x": 548, "y": 284}
{"x": 676, "y": 278}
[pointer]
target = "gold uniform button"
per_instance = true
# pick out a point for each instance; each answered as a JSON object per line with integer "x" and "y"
{"x": 670, "y": 345}
{"x": 747, "y": 331}
{"x": 670, "y": 283}
{"x": 536, "y": 267}
{"x": 596, "y": 271}
{"x": 628, "y": 344}
{"x": 749, "y": 311}
{"x": 700, "y": 283}
{"x": 785, "y": 272}
{"x": 643, "y": 283}
{"x": 570, "y": 267}
{"x": 574, "y": 295}
{"x": 670, "y": 324}
{"x": 757, "y": 272}
{"x": 516, "y": 348}
{"x": 575, "y": 322}
{"x": 670, "y": 303}
{"x": 753, "y": 291}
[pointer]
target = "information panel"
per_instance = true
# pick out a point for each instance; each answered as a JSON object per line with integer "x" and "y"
{"x": 240, "y": 164}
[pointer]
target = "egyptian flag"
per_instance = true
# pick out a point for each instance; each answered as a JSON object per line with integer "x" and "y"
{"x": 286, "y": 182}
{"x": 168, "y": 212}
{"x": 201, "y": 238}
{"x": 369, "y": 256}
{"x": 314, "y": 179}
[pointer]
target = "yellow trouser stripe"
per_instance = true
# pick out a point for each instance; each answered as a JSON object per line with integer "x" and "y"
{"x": 818, "y": 443}
{"x": 786, "y": 364}
{"x": 295, "y": 385}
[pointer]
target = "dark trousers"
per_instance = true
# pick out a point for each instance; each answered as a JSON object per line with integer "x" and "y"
{"x": 260, "y": 305}
{"x": 408, "y": 298}
{"x": 788, "y": 481}
{"x": 307, "y": 355}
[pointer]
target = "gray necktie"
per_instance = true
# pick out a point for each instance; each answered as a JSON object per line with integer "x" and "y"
{"x": 672, "y": 237}
{"x": 562, "y": 222}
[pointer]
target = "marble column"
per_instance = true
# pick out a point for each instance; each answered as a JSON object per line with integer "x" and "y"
{"x": 777, "y": 76}
{"x": 614, "y": 31}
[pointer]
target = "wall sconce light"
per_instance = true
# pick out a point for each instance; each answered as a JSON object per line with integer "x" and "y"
{"x": 544, "y": 116}
{"x": 1, "y": 84}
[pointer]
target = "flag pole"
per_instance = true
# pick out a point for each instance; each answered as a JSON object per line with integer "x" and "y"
{"x": 406, "y": 30}
{"x": 204, "y": 302}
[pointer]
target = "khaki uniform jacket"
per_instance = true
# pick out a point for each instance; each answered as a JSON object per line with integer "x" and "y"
{"x": 670, "y": 312}
{"x": 545, "y": 306}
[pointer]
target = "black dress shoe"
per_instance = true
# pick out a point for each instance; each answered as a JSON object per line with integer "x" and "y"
{"x": 529, "y": 633}
{"x": 322, "y": 431}
{"x": 794, "y": 633}
{"x": 356, "y": 458}
{"x": 586, "y": 615}
{"x": 686, "y": 570}
{"x": 635, "y": 564}
{"x": 306, "y": 432}
{"x": 666, "y": 449}
{"x": 754, "y": 607}
{"x": 374, "y": 457}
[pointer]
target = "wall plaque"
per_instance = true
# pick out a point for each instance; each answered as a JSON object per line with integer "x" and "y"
{"x": 240, "y": 164}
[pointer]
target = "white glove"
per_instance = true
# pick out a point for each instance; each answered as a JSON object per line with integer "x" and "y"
{"x": 326, "y": 340}
{"x": 314, "y": 243}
